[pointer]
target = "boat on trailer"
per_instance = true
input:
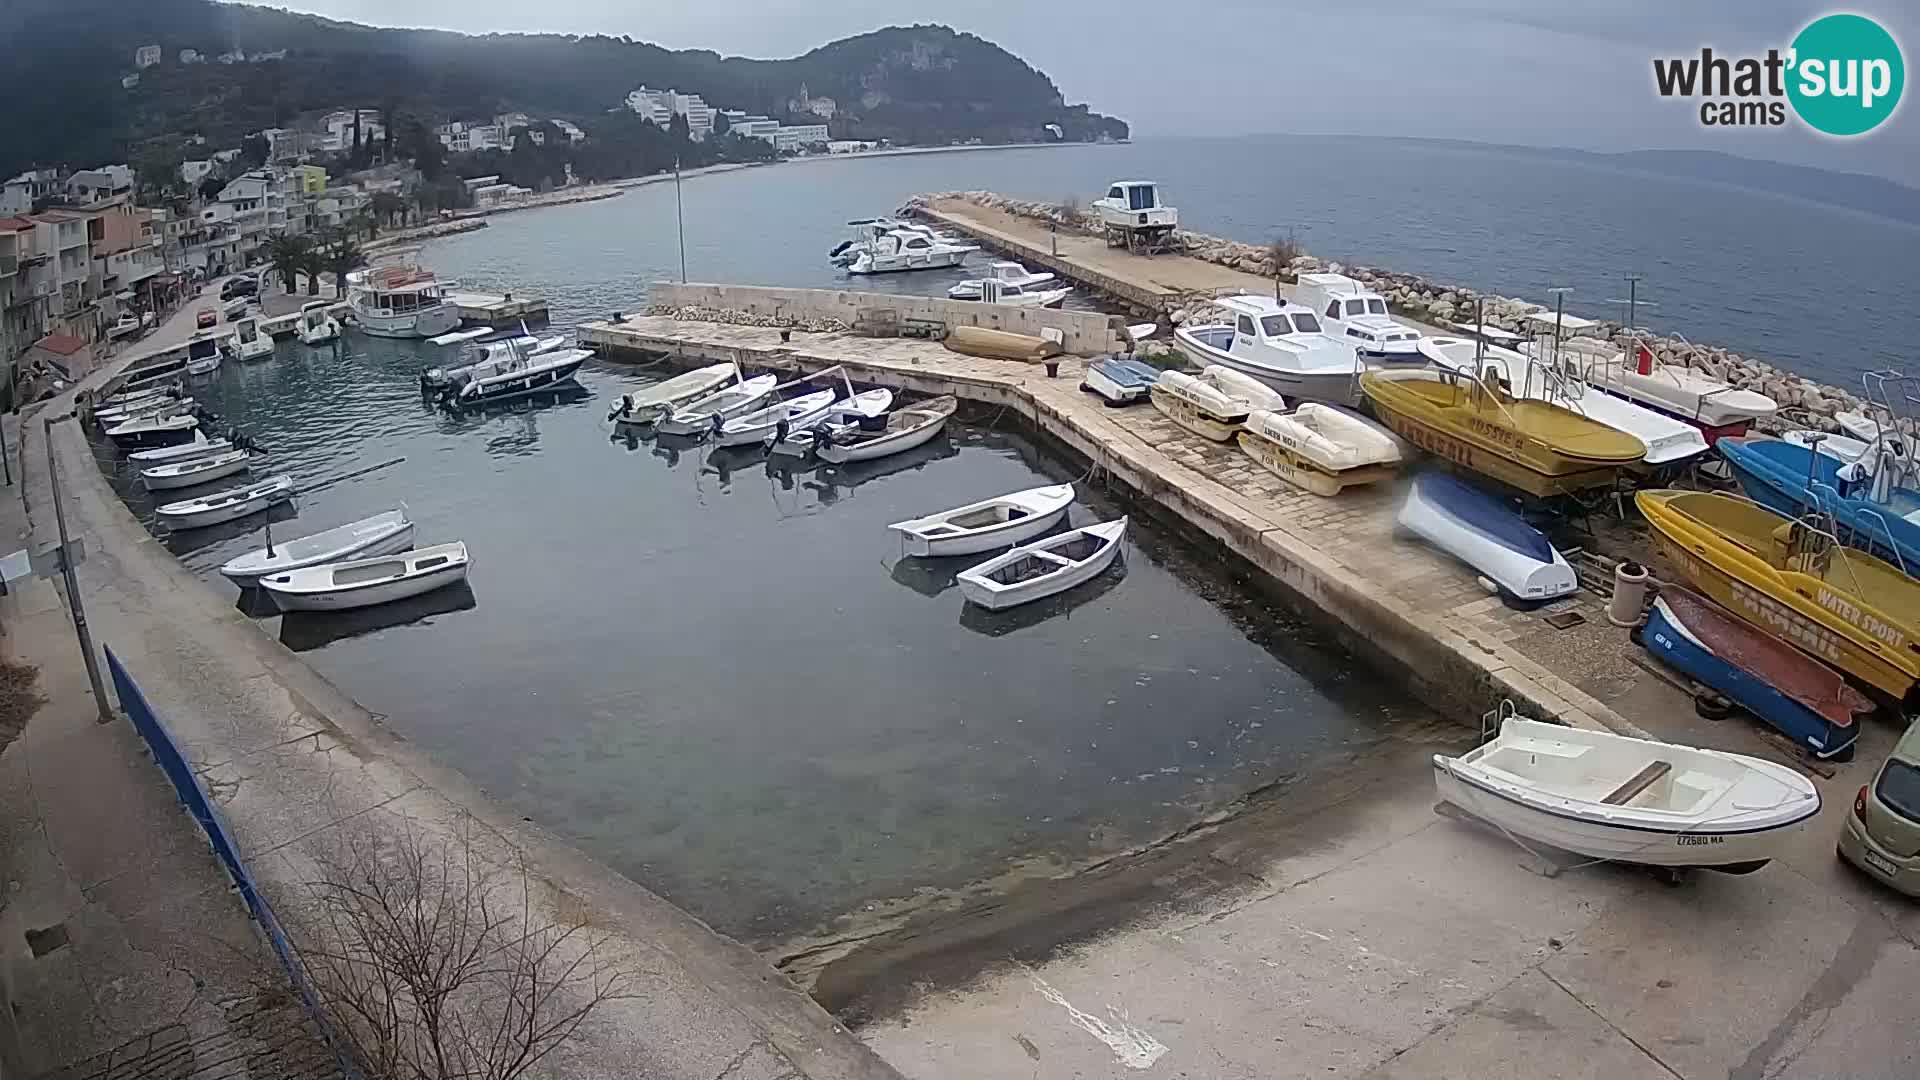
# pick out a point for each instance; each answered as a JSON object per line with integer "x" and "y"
{"x": 1620, "y": 799}
{"x": 359, "y": 583}
{"x": 987, "y": 525}
{"x": 382, "y": 534}
{"x": 1321, "y": 448}
{"x": 1045, "y": 567}
{"x": 1488, "y": 535}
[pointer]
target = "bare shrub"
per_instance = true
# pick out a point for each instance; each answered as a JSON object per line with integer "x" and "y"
{"x": 1070, "y": 212}
{"x": 1281, "y": 251}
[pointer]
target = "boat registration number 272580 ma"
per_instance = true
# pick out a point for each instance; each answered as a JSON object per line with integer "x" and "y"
{"x": 1689, "y": 840}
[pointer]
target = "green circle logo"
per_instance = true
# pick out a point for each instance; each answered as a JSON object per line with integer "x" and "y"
{"x": 1847, "y": 74}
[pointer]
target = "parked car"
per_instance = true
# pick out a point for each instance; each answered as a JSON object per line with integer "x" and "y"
{"x": 205, "y": 319}
{"x": 243, "y": 285}
{"x": 1882, "y": 835}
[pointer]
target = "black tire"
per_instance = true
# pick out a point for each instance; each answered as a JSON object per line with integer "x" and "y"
{"x": 1638, "y": 636}
{"x": 1712, "y": 706}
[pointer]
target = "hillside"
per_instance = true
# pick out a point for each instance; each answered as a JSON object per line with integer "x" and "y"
{"x": 61, "y": 63}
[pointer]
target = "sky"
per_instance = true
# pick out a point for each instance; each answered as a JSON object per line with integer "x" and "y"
{"x": 1574, "y": 73}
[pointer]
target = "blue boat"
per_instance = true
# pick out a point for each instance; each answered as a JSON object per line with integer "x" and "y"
{"x": 1489, "y": 535}
{"x": 1121, "y": 380}
{"x": 1790, "y": 691}
{"x": 1775, "y": 474}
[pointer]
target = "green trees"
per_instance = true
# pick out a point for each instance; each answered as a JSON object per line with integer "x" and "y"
{"x": 339, "y": 255}
{"x": 290, "y": 256}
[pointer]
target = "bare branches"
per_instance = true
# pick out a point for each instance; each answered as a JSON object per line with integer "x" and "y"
{"x": 435, "y": 965}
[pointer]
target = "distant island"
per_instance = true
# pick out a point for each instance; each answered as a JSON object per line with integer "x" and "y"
{"x": 88, "y": 81}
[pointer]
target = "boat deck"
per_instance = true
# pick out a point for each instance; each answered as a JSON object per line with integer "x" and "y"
{"x": 1391, "y": 598}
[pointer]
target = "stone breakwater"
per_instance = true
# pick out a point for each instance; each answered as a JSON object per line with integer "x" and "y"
{"x": 737, "y": 317}
{"x": 1803, "y": 402}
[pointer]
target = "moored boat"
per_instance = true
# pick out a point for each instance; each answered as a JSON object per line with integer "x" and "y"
{"x": 201, "y": 446}
{"x": 903, "y": 429}
{"x": 696, "y": 417}
{"x": 1622, "y": 799}
{"x": 358, "y": 583}
{"x": 1321, "y": 448}
{"x": 1488, "y": 535}
{"x": 199, "y": 470}
{"x": 1042, "y": 568}
{"x": 144, "y": 432}
{"x": 986, "y": 525}
{"x": 222, "y": 506}
{"x": 382, "y": 534}
{"x": 646, "y": 405}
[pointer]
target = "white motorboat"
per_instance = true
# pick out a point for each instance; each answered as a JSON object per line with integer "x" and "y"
{"x": 199, "y": 470}
{"x": 775, "y": 421}
{"x": 150, "y": 409}
{"x": 317, "y": 326}
{"x": 226, "y": 505}
{"x": 1279, "y": 343}
{"x": 519, "y": 371}
{"x": 866, "y": 407}
{"x": 900, "y": 250}
{"x": 646, "y": 406}
{"x": 143, "y": 432}
{"x": 1350, "y": 310}
{"x": 697, "y": 416}
{"x": 1621, "y": 799}
{"x": 986, "y": 525}
{"x": 1044, "y": 567}
{"x": 994, "y": 292}
{"x": 1006, "y": 273}
{"x": 249, "y": 342}
{"x": 904, "y": 429}
{"x": 1683, "y": 392}
{"x": 1487, "y": 535}
{"x": 381, "y": 534}
{"x": 399, "y": 302}
{"x": 1213, "y": 404}
{"x": 359, "y": 583}
{"x": 201, "y": 446}
{"x": 1321, "y": 448}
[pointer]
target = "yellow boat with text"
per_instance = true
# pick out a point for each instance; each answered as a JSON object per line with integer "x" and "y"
{"x": 1535, "y": 446}
{"x": 1793, "y": 580}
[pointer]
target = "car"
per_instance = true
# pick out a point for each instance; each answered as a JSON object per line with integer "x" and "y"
{"x": 205, "y": 319}
{"x": 1882, "y": 835}
{"x": 243, "y": 285}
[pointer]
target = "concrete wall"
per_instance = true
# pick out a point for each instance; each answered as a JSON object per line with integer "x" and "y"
{"x": 1084, "y": 333}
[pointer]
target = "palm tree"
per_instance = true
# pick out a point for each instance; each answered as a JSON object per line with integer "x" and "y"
{"x": 388, "y": 206}
{"x": 340, "y": 255}
{"x": 289, "y": 255}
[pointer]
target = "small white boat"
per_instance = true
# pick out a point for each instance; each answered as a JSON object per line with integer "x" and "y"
{"x": 359, "y": 583}
{"x": 1004, "y": 272}
{"x": 866, "y": 406}
{"x": 1044, "y": 567}
{"x": 1684, "y": 392}
{"x": 317, "y": 325}
{"x": 199, "y": 470}
{"x": 381, "y": 534}
{"x": 986, "y": 525}
{"x": 1321, "y": 448}
{"x": 200, "y": 447}
{"x": 1120, "y": 380}
{"x": 899, "y": 250}
{"x": 1487, "y": 535}
{"x": 777, "y": 420}
{"x": 142, "y": 432}
{"x": 1352, "y": 311}
{"x": 1279, "y": 343}
{"x": 249, "y": 342}
{"x": 646, "y": 405}
{"x": 697, "y": 416}
{"x": 1209, "y": 406}
{"x": 904, "y": 429}
{"x": 1612, "y": 797}
{"x": 226, "y": 505}
{"x": 989, "y": 291}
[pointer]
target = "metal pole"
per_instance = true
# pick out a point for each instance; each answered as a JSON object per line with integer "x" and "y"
{"x": 73, "y": 585}
{"x": 5, "y": 462}
{"x": 680, "y": 217}
{"x": 1633, "y": 297}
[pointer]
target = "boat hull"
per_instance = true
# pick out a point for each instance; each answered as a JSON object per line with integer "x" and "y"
{"x": 1204, "y": 423}
{"x": 1496, "y": 542}
{"x": 386, "y": 542}
{"x": 383, "y": 593}
{"x": 979, "y": 592}
{"x": 172, "y": 481}
{"x": 1302, "y": 472}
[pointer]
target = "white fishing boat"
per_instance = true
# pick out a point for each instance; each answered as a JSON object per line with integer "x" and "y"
{"x": 697, "y": 416}
{"x": 1612, "y": 797}
{"x": 1004, "y": 272}
{"x": 1321, "y": 448}
{"x": 359, "y": 583}
{"x": 382, "y": 534}
{"x": 317, "y": 326}
{"x": 1687, "y": 393}
{"x": 201, "y": 446}
{"x": 147, "y": 431}
{"x": 775, "y": 421}
{"x": 646, "y": 405}
{"x": 904, "y": 429}
{"x": 994, "y": 292}
{"x": 901, "y": 250}
{"x": 199, "y": 470}
{"x": 518, "y": 372}
{"x": 249, "y": 342}
{"x": 986, "y": 525}
{"x": 1279, "y": 343}
{"x": 1350, "y": 310}
{"x": 1044, "y": 567}
{"x": 399, "y": 302}
{"x": 226, "y": 505}
{"x": 1214, "y": 403}
{"x": 1489, "y": 536}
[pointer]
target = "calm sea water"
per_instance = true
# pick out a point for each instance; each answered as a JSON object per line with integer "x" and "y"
{"x": 1816, "y": 288}
{"x": 720, "y": 677}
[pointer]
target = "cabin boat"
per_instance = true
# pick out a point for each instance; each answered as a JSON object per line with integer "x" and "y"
{"x": 1488, "y": 535}
{"x": 902, "y": 250}
{"x": 1045, "y": 567}
{"x": 399, "y": 302}
{"x": 223, "y": 506}
{"x": 199, "y": 470}
{"x": 1132, "y": 215}
{"x": 1004, "y": 272}
{"x": 697, "y": 416}
{"x": 382, "y": 534}
{"x": 1534, "y": 446}
{"x": 1279, "y": 343}
{"x": 317, "y": 326}
{"x": 1320, "y": 448}
{"x": 1120, "y": 380}
{"x": 1718, "y": 408}
{"x": 249, "y": 343}
{"x": 513, "y": 371}
{"x": 358, "y": 583}
{"x": 902, "y": 430}
{"x": 1786, "y": 689}
{"x": 1357, "y": 314}
{"x": 1612, "y": 797}
{"x": 1841, "y": 606}
{"x": 647, "y": 405}
{"x": 987, "y": 525}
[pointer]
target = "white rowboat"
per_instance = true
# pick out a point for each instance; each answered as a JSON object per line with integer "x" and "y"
{"x": 1044, "y": 567}
{"x": 646, "y": 405}
{"x": 200, "y": 447}
{"x": 774, "y": 420}
{"x": 1608, "y": 796}
{"x": 225, "y": 505}
{"x": 986, "y": 525}
{"x": 361, "y": 583}
{"x": 905, "y": 429}
{"x": 697, "y": 417}
{"x": 198, "y": 470}
{"x": 381, "y": 534}
{"x": 154, "y": 431}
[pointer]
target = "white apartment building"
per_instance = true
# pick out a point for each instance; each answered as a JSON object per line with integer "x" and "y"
{"x": 661, "y": 106}
{"x": 92, "y": 185}
{"x": 787, "y": 140}
{"x": 18, "y": 195}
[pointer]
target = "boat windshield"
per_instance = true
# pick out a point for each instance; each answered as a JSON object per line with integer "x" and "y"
{"x": 1899, "y": 788}
{"x": 1140, "y": 197}
{"x": 1306, "y": 323}
{"x": 1376, "y": 307}
{"x": 1276, "y": 325}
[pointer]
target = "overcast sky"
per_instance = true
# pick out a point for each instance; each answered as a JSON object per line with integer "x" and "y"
{"x": 1538, "y": 72}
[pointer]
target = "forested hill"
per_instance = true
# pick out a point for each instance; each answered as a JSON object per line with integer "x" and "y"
{"x": 62, "y": 62}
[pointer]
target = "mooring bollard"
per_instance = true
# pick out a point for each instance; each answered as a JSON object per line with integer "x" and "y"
{"x": 1053, "y": 369}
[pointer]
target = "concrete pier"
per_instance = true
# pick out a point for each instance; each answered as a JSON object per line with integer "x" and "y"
{"x": 497, "y": 310}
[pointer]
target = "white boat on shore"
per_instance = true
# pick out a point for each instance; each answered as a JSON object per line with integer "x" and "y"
{"x": 199, "y": 470}
{"x": 1004, "y": 272}
{"x": 1611, "y": 797}
{"x": 358, "y": 583}
{"x": 382, "y": 534}
{"x": 222, "y": 506}
{"x": 904, "y": 429}
{"x": 1281, "y": 344}
{"x": 1045, "y": 567}
{"x": 697, "y": 417}
{"x": 1687, "y": 393}
{"x": 1321, "y": 448}
{"x": 1350, "y": 310}
{"x": 201, "y": 446}
{"x": 1489, "y": 536}
{"x": 1212, "y": 404}
{"x": 647, "y": 405}
{"x": 986, "y": 525}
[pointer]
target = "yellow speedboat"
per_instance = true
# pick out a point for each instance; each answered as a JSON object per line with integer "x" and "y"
{"x": 1841, "y": 605}
{"x": 1535, "y": 446}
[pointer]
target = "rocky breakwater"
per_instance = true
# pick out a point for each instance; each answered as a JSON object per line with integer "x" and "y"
{"x": 1803, "y": 402}
{"x": 737, "y": 317}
